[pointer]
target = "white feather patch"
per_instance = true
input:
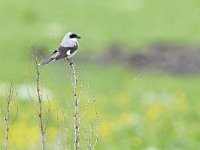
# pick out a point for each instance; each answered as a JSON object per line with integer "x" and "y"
{"x": 68, "y": 52}
{"x": 70, "y": 56}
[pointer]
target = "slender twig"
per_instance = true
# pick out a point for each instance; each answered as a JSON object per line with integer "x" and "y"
{"x": 40, "y": 111}
{"x": 58, "y": 136}
{"x": 67, "y": 143}
{"x": 76, "y": 110}
{"x": 46, "y": 119}
{"x": 16, "y": 114}
{"x": 97, "y": 129}
{"x": 9, "y": 97}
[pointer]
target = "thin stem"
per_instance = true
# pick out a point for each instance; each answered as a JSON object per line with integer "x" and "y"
{"x": 76, "y": 110}
{"x": 40, "y": 114}
{"x": 9, "y": 97}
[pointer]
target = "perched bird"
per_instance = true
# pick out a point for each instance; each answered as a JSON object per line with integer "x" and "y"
{"x": 67, "y": 49}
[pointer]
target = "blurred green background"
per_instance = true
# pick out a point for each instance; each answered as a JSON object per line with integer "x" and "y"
{"x": 138, "y": 68}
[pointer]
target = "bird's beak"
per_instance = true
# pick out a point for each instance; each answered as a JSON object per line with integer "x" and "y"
{"x": 78, "y": 37}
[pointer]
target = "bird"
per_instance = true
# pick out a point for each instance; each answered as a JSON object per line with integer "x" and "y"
{"x": 67, "y": 48}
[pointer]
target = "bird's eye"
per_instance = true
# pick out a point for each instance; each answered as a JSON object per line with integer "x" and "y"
{"x": 73, "y": 36}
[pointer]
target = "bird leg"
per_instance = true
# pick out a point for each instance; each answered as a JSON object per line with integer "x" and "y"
{"x": 70, "y": 61}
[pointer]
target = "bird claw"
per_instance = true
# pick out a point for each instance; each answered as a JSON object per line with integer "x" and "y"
{"x": 70, "y": 62}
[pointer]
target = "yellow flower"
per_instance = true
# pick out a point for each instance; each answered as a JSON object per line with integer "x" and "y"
{"x": 106, "y": 129}
{"x": 154, "y": 112}
{"x": 126, "y": 118}
{"x": 123, "y": 101}
{"x": 52, "y": 133}
{"x": 181, "y": 103}
{"x": 23, "y": 136}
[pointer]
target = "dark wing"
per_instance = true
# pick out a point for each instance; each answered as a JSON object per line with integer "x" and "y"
{"x": 63, "y": 51}
{"x": 52, "y": 58}
{"x": 55, "y": 54}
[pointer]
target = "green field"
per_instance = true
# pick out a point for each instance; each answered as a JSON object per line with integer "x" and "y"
{"x": 136, "y": 110}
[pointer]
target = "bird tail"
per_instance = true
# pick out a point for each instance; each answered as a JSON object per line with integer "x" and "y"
{"x": 46, "y": 62}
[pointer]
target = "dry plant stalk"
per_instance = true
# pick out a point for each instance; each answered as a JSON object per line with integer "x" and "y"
{"x": 91, "y": 140}
{"x": 40, "y": 111}
{"x": 76, "y": 110}
{"x": 9, "y": 97}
